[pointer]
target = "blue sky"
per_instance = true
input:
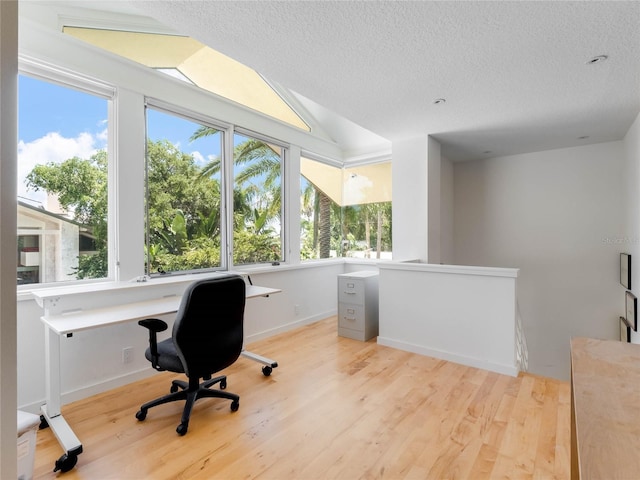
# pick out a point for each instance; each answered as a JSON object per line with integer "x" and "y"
{"x": 178, "y": 131}
{"x": 45, "y": 107}
{"x": 56, "y": 123}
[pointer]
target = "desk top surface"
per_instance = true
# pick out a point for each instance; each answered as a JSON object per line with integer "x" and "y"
{"x": 605, "y": 377}
{"x": 84, "y": 319}
{"x": 53, "y": 292}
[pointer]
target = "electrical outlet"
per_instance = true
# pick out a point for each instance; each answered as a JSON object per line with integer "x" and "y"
{"x": 127, "y": 354}
{"x": 296, "y": 309}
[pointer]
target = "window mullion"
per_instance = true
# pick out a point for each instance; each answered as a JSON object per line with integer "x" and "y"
{"x": 227, "y": 198}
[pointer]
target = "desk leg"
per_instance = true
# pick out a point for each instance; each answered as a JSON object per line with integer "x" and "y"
{"x": 52, "y": 372}
{"x": 51, "y": 410}
{"x": 269, "y": 364}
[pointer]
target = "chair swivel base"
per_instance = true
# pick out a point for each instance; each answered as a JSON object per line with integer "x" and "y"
{"x": 190, "y": 392}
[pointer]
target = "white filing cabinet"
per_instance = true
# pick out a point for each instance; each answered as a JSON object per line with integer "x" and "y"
{"x": 358, "y": 305}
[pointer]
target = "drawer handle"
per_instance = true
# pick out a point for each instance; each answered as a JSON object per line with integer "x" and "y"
{"x": 349, "y": 293}
{"x": 350, "y": 318}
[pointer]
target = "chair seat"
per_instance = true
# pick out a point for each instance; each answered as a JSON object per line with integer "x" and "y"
{"x": 167, "y": 356}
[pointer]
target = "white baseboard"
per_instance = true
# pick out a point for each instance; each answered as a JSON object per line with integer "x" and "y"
{"x": 289, "y": 326}
{"x": 89, "y": 390}
{"x": 510, "y": 370}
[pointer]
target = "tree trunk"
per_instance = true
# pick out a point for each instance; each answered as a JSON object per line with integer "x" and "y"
{"x": 325, "y": 226}
{"x": 316, "y": 217}
{"x": 379, "y": 237}
{"x": 367, "y": 231}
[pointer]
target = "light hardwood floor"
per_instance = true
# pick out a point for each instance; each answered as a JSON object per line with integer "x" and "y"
{"x": 335, "y": 408}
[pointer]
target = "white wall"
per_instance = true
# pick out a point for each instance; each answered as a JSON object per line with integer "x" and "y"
{"x": 461, "y": 314}
{"x": 422, "y": 201}
{"x": 447, "y": 212}
{"x": 555, "y": 215}
{"x": 434, "y": 197}
{"x": 410, "y": 200}
{"x": 630, "y": 243}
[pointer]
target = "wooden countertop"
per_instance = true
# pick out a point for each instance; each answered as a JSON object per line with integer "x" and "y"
{"x": 605, "y": 395}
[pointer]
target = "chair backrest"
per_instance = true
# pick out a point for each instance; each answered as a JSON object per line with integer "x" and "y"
{"x": 208, "y": 329}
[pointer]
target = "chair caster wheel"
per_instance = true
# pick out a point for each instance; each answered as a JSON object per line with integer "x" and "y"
{"x": 266, "y": 370}
{"x": 66, "y": 462}
{"x": 182, "y": 429}
{"x": 223, "y": 384}
{"x": 235, "y": 406}
{"x": 174, "y": 388}
{"x": 141, "y": 415}
{"x": 43, "y": 423}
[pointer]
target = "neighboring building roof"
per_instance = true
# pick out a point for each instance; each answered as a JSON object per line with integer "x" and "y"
{"x": 41, "y": 211}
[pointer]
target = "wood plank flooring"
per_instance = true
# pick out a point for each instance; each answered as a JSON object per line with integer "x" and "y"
{"x": 335, "y": 408}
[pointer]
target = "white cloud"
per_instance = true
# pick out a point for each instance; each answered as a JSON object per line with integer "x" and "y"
{"x": 50, "y": 148}
{"x": 199, "y": 158}
{"x": 355, "y": 189}
{"x": 103, "y": 136}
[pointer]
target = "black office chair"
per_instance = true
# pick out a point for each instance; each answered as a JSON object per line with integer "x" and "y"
{"x": 207, "y": 337}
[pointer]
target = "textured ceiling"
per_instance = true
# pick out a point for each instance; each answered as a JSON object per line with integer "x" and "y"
{"x": 514, "y": 74}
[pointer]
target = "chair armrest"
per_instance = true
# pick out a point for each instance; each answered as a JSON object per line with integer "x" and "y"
{"x": 154, "y": 325}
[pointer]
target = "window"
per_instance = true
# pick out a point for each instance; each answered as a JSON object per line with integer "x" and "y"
{"x": 188, "y": 60}
{"x": 184, "y": 194}
{"x": 63, "y": 165}
{"x": 257, "y": 201}
{"x": 186, "y": 168}
{"x": 321, "y": 191}
{"x": 345, "y": 212}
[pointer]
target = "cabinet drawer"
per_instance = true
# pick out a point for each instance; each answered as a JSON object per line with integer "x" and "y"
{"x": 351, "y": 290}
{"x": 351, "y": 317}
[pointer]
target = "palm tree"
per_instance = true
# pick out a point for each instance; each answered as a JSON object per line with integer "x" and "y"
{"x": 324, "y": 224}
{"x": 257, "y": 196}
{"x": 316, "y": 201}
{"x": 263, "y": 161}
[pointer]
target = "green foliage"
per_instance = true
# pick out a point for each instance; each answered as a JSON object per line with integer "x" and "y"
{"x": 174, "y": 235}
{"x": 365, "y": 227}
{"x": 184, "y": 206}
{"x": 175, "y": 185}
{"x": 92, "y": 266}
{"x": 197, "y": 254}
{"x": 184, "y": 209}
{"x": 81, "y": 188}
{"x": 249, "y": 247}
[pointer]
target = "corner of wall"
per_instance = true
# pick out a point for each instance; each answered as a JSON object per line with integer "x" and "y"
{"x": 631, "y": 144}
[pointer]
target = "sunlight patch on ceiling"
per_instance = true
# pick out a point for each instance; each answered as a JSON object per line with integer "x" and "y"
{"x": 352, "y": 185}
{"x": 186, "y": 58}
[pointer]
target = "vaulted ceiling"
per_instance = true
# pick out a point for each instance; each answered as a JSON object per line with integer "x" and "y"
{"x": 515, "y": 77}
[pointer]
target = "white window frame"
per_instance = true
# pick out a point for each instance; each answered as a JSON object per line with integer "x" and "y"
{"x": 284, "y": 204}
{"x": 56, "y": 75}
{"x": 227, "y": 139}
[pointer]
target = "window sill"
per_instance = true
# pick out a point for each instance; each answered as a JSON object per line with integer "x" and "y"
{"x": 39, "y": 294}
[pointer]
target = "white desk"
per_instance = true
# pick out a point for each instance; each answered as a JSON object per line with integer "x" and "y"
{"x": 65, "y": 323}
